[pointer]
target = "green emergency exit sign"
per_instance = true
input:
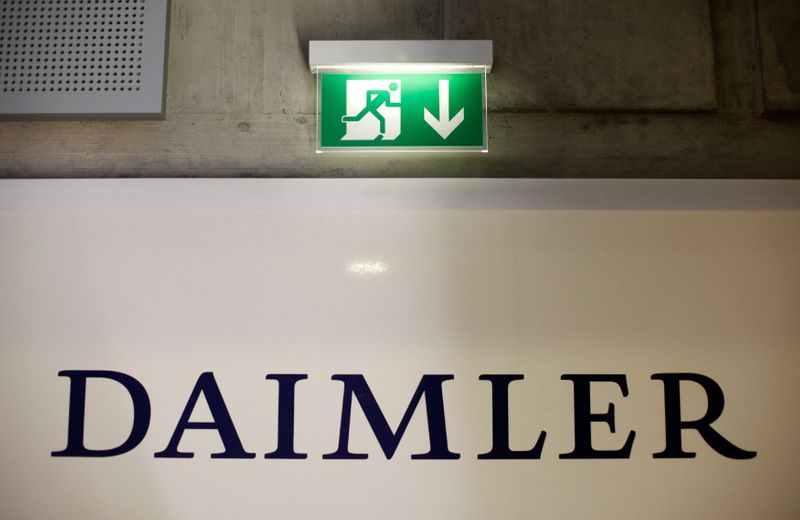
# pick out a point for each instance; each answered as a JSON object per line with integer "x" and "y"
{"x": 394, "y": 112}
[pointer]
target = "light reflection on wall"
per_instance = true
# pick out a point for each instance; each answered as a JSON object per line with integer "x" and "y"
{"x": 366, "y": 268}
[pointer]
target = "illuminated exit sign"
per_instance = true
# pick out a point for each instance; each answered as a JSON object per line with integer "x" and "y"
{"x": 401, "y": 95}
{"x": 402, "y": 111}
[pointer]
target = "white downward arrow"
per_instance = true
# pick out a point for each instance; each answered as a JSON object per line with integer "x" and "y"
{"x": 444, "y": 126}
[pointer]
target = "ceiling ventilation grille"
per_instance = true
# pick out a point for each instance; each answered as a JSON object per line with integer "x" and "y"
{"x": 82, "y": 58}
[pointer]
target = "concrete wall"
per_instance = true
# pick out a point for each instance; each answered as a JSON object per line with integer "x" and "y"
{"x": 580, "y": 88}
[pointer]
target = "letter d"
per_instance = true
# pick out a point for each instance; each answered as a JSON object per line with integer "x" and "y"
{"x": 77, "y": 413}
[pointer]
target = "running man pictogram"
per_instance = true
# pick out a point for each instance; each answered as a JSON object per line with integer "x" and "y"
{"x": 376, "y": 104}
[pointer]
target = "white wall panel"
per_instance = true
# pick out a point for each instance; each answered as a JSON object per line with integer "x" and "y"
{"x": 164, "y": 280}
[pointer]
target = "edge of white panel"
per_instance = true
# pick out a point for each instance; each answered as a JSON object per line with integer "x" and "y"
{"x": 398, "y": 194}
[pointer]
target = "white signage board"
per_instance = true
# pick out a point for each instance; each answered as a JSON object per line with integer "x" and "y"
{"x": 496, "y": 349}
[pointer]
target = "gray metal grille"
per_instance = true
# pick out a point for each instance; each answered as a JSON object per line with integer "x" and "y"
{"x": 79, "y": 58}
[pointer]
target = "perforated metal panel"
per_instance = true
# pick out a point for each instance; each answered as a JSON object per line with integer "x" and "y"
{"x": 83, "y": 58}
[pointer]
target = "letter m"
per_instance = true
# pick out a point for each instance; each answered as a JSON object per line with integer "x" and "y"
{"x": 430, "y": 386}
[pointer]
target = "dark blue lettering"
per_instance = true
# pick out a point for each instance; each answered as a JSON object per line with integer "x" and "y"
{"x": 584, "y": 417}
{"x": 77, "y": 413}
{"x": 207, "y": 385}
{"x": 500, "y": 442}
{"x": 286, "y": 384}
{"x": 430, "y": 386}
{"x": 675, "y": 425}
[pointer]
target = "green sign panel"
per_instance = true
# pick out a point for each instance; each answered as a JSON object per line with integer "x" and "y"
{"x": 402, "y": 111}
